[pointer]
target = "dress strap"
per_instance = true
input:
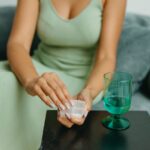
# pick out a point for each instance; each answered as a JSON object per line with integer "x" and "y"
{"x": 98, "y": 3}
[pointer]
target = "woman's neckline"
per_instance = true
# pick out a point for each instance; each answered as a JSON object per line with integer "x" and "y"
{"x": 72, "y": 19}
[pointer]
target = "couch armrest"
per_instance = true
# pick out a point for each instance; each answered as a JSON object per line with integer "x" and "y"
{"x": 148, "y": 82}
{"x": 6, "y": 18}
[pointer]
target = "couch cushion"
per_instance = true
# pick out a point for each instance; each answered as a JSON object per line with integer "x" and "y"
{"x": 134, "y": 48}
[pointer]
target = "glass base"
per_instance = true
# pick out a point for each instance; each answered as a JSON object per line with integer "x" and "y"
{"x": 116, "y": 123}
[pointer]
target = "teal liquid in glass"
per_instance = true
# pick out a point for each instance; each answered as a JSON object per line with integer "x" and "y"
{"x": 117, "y": 105}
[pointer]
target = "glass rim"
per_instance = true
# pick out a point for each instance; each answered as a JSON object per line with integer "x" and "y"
{"x": 118, "y": 72}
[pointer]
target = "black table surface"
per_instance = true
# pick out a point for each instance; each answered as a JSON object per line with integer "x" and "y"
{"x": 93, "y": 136}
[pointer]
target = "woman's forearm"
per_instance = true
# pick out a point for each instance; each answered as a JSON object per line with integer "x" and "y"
{"x": 113, "y": 18}
{"x": 95, "y": 80}
{"x": 21, "y": 63}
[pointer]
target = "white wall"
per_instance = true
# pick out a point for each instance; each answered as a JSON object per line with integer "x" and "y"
{"x": 7, "y": 2}
{"x": 138, "y": 6}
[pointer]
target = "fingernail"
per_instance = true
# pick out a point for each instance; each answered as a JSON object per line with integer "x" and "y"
{"x": 61, "y": 107}
{"x": 68, "y": 115}
{"x": 68, "y": 105}
{"x": 52, "y": 105}
{"x": 85, "y": 114}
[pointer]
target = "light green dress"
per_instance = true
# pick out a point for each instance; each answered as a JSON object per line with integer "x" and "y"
{"x": 67, "y": 48}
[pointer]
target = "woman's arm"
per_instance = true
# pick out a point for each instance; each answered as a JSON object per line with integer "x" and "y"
{"x": 113, "y": 17}
{"x": 20, "y": 40}
{"x": 48, "y": 86}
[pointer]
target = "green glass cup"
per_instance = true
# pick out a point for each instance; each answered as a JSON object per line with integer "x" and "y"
{"x": 117, "y": 99}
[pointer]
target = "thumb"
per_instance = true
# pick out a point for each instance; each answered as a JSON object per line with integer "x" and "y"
{"x": 88, "y": 104}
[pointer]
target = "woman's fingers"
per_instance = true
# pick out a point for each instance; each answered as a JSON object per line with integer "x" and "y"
{"x": 54, "y": 91}
{"x": 51, "y": 93}
{"x": 49, "y": 84}
{"x": 52, "y": 105}
{"x": 85, "y": 114}
{"x": 48, "y": 91}
{"x": 78, "y": 121}
{"x": 63, "y": 94}
{"x": 64, "y": 88}
{"x": 64, "y": 120}
{"x": 41, "y": 94}
{"x": 59, "y": 92}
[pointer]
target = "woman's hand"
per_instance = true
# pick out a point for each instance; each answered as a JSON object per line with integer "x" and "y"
{"x": 86, "y": 96}
{"x": 49, "y": 87}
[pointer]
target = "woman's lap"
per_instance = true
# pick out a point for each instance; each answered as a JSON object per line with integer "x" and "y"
{"x": 21, "y": 115}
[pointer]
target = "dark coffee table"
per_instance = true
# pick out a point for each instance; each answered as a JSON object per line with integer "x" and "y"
{"x": 93, "y": 136}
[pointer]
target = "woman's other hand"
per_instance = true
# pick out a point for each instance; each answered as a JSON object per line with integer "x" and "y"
{"x": 86, "y": 96}
{"x": 49, "y": 87}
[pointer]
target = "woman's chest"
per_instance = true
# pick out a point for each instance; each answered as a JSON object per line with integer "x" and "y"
{"x": 69, "y": 9}
{"x": 83, "y": 29}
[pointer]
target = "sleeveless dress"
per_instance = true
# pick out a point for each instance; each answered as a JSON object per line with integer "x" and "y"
{"x": 67, "y": 48}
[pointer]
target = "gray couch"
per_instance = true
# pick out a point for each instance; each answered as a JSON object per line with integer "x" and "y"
{"x": 141, "y": 97}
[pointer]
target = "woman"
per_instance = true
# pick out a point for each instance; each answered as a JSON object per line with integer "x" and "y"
{"x": 78, "y": 45}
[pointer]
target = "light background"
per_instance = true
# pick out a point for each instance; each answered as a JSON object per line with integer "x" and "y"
{"x": 137, "y": 6}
